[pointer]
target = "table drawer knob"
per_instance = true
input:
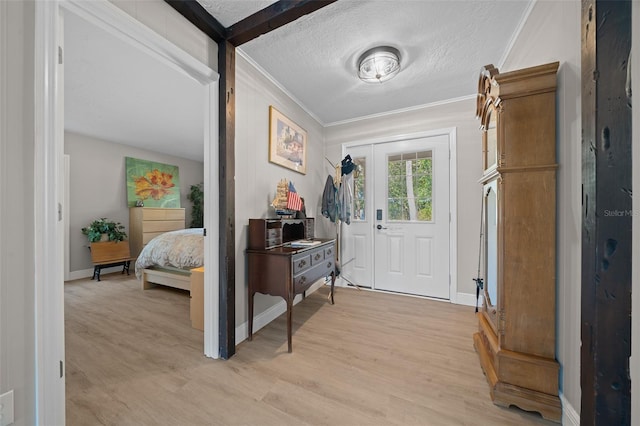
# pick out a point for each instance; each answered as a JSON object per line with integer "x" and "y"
{"x": 318, "y": 256}
{"x": 302, "y": 263}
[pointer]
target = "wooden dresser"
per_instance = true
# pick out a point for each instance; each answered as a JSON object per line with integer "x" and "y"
{"x": 146, "y": 223}
{"x": 277, "y": 268}
{"x": 516, "y": 338}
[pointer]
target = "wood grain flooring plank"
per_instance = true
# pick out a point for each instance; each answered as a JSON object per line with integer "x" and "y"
{"x": 373, "y": 358}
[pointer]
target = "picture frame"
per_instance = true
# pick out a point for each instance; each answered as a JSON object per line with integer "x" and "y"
{"x": 287, "y": 142}
{"x": 152, "y": 184}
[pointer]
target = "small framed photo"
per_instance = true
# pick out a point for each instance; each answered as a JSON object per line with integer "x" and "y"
{"x": 287, "y": 142}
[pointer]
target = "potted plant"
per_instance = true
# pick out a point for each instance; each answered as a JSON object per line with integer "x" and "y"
{"x": 196, "y": 196}
{"x": 104, "y": 229}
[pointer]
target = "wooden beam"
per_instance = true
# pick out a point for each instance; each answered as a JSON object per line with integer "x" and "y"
{"x": 198, "y": 16}
{"x": 226, "y": 232}
{"x": 271, "y": 17}
{"x": 262, "y": 22}
{"x": 606, "y": 214}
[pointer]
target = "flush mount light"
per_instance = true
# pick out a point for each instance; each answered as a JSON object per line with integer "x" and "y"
{"x": 379, "y": 64}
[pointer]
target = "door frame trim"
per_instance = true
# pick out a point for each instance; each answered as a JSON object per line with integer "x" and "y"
{"x": 48, "y": 149}
{"x": 451, "y": 132}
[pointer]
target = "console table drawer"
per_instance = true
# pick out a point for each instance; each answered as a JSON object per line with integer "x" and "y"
{"x": 301, "y": 263}
{"x": 303, "y": 281}
{"x": 328, "y": 252}
{"x": 317, "y": 257}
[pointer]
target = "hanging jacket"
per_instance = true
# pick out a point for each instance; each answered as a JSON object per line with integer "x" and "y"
{"x": 329, "y": 200}
{"x": 345, "y": 198}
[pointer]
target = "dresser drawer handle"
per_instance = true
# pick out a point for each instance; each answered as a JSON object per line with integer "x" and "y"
{"x": 329, "y": 251}
{"x": 303, "y": 279}
{"x": 328, "y": 264}
{"x": 318, "y": 256}
{"x": 302, "y": 263}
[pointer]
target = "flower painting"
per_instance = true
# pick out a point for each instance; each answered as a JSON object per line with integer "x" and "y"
{"x": 287, "y": 142}
{"x": 152, "y": 184}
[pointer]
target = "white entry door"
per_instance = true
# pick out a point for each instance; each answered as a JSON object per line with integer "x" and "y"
{"x": 412, "y": 216}
{"x": 398, "y": 239}
{"x": 357, "y": 244}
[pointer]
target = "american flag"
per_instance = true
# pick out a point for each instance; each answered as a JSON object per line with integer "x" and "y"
{"x": 294, "y": 202}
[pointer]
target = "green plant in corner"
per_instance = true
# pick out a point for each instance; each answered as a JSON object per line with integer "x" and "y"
{"x": 113, "y": 230}
{"x": 196, "y": 196}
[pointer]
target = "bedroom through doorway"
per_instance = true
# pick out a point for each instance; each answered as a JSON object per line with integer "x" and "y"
{"x": 105, "y": 16}
{"x": 123, "y": 90}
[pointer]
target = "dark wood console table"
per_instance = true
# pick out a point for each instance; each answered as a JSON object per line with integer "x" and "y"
{"x": 287, "y": 271}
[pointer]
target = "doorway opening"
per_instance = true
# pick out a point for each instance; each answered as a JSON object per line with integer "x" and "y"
{"x": 49, "y": 189}
{"x": 402, "y": 233}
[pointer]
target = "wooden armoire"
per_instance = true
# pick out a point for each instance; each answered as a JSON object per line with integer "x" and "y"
{"x": 516, "y": 338}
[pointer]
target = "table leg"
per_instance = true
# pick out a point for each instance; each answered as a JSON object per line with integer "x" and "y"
{"x": 250, "y": 316}
{"x": 333, "y": 281}
{"x": 289, "y": 323}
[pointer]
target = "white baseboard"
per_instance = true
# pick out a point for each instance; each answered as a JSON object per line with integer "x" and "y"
{"x": 264, "y": 318}
{"x": 88, "y": 273}
{"x": 340, "y": 282}
{"x": 467, "y": 299}
{"x": 570, "y": 416}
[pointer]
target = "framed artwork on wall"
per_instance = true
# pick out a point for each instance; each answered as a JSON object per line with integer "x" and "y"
{"x": 287, "y": 142}
{"x": 152, "y": 184}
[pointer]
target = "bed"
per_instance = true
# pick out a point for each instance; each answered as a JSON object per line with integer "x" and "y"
{"x": 168, "y": 258}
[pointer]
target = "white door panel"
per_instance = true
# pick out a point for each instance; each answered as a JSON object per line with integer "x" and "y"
{"x": 409, "y": 251}
{"x": 357, "y": 245}
{"x": 411, "y": 190}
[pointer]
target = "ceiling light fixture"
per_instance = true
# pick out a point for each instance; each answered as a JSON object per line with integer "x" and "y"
{"x": 379, "y": 64}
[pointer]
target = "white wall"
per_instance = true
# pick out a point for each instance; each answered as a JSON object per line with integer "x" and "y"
{"x": 98, "y": 188}
{"x": 166, "y": 21}
{"x": 552, "y": 33}
{"x": 17, "y": 136}
{"x": 461, "y": 115}
{"x": 17, "y": 247}
{"x": 256, "y": 178}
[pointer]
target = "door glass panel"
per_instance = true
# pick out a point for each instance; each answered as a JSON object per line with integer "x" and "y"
{"x": 491, "y": 143}
{"x": 359, "y": 189}
{"x": 491, "y": 220}
{"x": 409, "y": 187}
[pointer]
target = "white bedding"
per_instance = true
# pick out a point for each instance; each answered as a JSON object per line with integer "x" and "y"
{"x": 181, "y": 249}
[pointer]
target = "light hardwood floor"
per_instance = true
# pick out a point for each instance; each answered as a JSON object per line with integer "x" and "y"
{"x": 370, "y": 359}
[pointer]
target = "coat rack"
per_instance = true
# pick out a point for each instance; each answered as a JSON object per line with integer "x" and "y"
{"x": 338, "y": 181}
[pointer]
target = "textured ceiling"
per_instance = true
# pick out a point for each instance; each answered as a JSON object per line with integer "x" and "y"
{"x": 114, "y": 91}
{"x": 443, "y": 45}
{"x": 228, "y": 12}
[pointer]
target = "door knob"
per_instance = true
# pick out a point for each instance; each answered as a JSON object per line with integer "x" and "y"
{"x": 380, "y": 227}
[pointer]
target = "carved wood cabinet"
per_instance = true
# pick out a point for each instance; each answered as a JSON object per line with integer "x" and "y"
{"x": 516, "y": 325}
